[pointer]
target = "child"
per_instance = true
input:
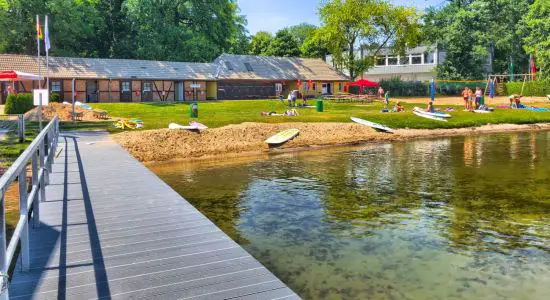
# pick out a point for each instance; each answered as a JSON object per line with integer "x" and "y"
{"x": 387, "y": 99}
{"x": 465, "y": 97}
{"x": 304, "y": 99}
{"x": 479, "y": 94}
{"x": 470, "y": 100}
{"x": 380, "y": 92}
{"x": 398, "y": 107}
{"x": 430, "y": 108}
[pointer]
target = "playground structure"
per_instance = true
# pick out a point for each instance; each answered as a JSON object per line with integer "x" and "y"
{"x": 500, "y": 80}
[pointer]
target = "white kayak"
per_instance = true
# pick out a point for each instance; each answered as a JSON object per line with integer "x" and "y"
{"x": 429, "y": 116}
{"x": 198, "y": 125}
{"x": 435, "y": 114}
{"x": 283, "y": 136}
{"x": 376, "y": 126}
{"x": 480, "y": 111}
{"x": 178, "y": 126}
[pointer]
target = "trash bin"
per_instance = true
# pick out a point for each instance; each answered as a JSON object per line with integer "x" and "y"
{"x": 319, "y": 105}
{"x": 194, "y": 110}
{"x": 482, "y": 101}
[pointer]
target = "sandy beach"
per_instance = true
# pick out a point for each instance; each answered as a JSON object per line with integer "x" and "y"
{"x": 248, "y": 138}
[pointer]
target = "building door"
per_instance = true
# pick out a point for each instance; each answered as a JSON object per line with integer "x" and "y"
{"x": 324, "y": 89}
{"x": 146, "y": 91}
{"x": 180, "y": 91}
{"x": 4, "y": 89}
{"x": 125, "y": 91}
{"x": 91, "y": 91}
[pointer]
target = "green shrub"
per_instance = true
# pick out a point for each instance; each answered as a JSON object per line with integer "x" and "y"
{"x": 18, "y": 104}
{"x": 398, "y": 87}
{"x": 54, "y": 97}
{"x": 532, "y": 88}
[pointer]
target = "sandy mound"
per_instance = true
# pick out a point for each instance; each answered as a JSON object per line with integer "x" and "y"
{"x": 165, "y": 144}
{"x": 62, "y": 110}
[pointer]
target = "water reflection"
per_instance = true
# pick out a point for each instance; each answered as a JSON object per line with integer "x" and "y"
{"x": 464, "y": 218}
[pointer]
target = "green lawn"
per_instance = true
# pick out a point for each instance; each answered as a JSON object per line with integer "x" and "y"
{"x": 216, "y": 114}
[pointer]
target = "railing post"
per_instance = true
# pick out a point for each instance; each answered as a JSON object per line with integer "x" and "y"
{"x": 21, "y": 128}
{"x": 47, "y": 153}
{"x": 4, "y": 265}
{"x": 23, "y": 211}
{"x": 42, "y": 180}
{"x": 36, "y": 184}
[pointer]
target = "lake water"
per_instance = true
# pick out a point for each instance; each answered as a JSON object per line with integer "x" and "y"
{"x": 453, "y": 218}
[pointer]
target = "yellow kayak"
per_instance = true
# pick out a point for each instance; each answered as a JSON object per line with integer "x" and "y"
{"x": 283, "y": 136}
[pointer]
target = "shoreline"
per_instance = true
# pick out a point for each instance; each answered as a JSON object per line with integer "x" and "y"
{"x": 247, "y": 139}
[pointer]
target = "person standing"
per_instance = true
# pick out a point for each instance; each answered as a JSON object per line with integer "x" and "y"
{"x": 387, "y": 99}
{"x": 380, "y": 92}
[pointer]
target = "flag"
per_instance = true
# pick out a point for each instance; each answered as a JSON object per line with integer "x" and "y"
{"x": 38, "y": 29}
{"x": 47, "y": 45}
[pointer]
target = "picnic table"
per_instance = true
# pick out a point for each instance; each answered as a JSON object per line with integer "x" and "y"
{"x": 351, "y": 98}
{"x": 77, "y": 115}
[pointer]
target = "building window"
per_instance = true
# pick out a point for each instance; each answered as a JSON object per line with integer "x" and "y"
{"x": 381, "y": 61}
{"x": 416, "y": 59}
{"x": 56, "y": 86}
{"x": 125, "y": 86}
{"x": 147, "y": 87}
{"x": 404, "y": 60}
{"x": 314, "y": 86}
{"x": 429, "y": 58}
{"x": 339, "y": 86}
{"x": 392, "y": 60}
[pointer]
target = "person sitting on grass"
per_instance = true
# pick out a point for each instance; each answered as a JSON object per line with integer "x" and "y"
{"x": 398, "y": 107}
{"x": 430, "y": 108}
{"x": 515, "y": 101}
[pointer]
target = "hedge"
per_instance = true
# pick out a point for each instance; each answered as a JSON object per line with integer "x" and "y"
{"x": 532, "y": 88}
{"x": 398, "y": 87}
{"x": 18, "y": 104}
{"x": 55, "y": 97}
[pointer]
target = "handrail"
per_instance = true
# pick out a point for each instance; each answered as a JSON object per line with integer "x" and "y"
{"x": 41, "y": 152}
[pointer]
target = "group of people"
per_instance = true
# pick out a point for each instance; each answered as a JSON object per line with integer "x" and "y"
{"x": 293, "y": 96}
{"x": 472, "y": 100}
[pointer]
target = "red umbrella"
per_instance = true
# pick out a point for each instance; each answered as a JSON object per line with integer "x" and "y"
{"x": 17, "y": 76}
{"x": 362, "y": 83}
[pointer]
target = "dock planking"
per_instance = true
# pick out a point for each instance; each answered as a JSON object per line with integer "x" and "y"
{"x": 111, "y": 229}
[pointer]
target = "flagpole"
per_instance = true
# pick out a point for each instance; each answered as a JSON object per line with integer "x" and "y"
{"x": 39, "y": 72}
{"x": 46, "y": 47}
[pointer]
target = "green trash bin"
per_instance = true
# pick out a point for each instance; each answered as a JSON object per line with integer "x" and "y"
{"x": 319, "y": 105}
{"x": 482, "y": 101}
{"x": 194, "y": 110}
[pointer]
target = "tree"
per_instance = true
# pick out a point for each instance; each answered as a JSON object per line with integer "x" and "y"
{"x": 314, "y": 47}
{"x": 372, "y": 24}
{"x": 479, "y": 36}
{"x": 260, "y": 42}
{"x": 284, "y": 44}
{"x": 302, "y": 32}
{"x": 536, "y": 29}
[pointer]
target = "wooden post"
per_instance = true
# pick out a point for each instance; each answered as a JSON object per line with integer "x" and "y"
{"x": 21, "y": 128}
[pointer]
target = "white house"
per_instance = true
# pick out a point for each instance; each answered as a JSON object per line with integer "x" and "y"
{"x": 418, "y": 64}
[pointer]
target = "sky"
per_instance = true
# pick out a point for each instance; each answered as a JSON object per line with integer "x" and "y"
{"x": 272, "y": 15}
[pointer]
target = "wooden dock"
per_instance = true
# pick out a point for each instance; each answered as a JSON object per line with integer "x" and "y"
{"x": 111, "y": 229}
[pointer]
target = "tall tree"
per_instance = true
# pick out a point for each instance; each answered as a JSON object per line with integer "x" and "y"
{"x": 260, "y": 42}
{"x": 348, "y": 25}
{"x": 301, "y": 32}
{"x": 479, "y": 36}
{"x": 536, "y": 29}
{"x": 284, "y": 44}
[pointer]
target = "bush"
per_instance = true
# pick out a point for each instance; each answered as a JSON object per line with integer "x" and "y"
{"x": 532, "y": 88}
{"x": 18, "y": 104}
{"x": 54, "y": 97}
{"x": 398, "y": 87}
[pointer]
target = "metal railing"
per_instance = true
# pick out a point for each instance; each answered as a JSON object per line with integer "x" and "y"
{"x": 41, "y": 153}
{"x": 13, "y": 123}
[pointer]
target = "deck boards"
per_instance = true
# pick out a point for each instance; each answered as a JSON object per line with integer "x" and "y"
{"x": 111, "y": 229}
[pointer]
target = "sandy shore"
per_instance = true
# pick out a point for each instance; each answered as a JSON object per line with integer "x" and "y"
{"x": 248, "y": 138}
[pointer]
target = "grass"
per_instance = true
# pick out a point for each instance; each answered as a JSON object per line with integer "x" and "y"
{"x": 217, "y": 114}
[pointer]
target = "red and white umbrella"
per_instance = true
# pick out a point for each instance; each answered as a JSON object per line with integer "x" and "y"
{"x": 18, "y": 76}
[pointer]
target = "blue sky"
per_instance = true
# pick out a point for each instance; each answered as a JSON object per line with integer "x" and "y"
{"x": 272, "y": 15}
